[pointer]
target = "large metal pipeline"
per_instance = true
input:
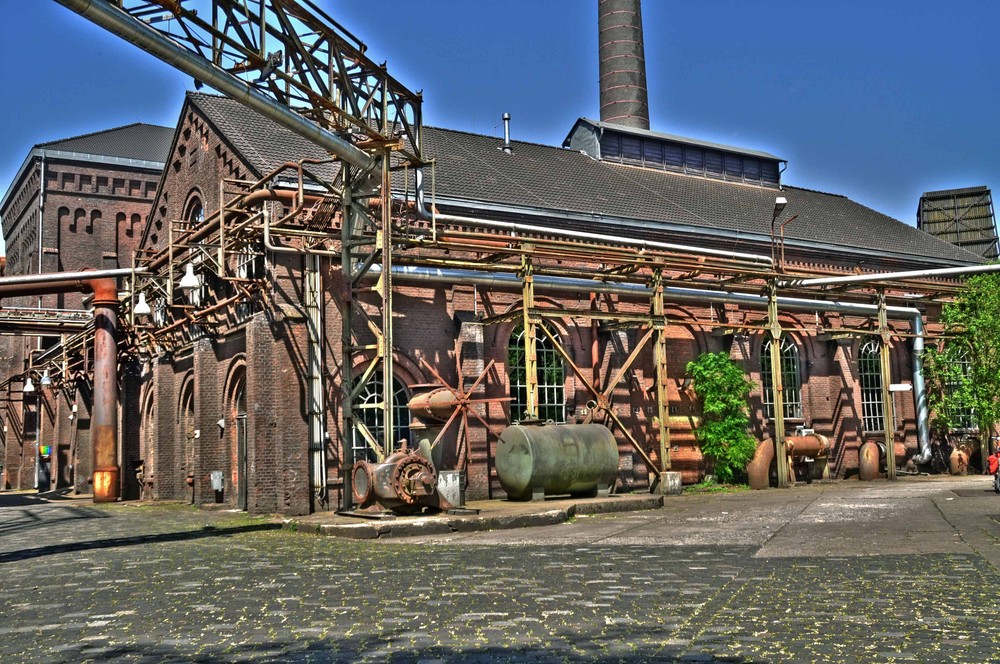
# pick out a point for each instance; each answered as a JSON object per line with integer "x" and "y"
{"x": 808, "y": 446}
{"x": 698, "y": 295}
{"x": 104, "y": 419}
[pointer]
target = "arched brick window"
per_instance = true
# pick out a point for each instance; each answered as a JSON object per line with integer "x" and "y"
{"x": 870, "y": 377}
{"x": 551, "y": 378}
{"x": 366, "y": 410}
{"x": 791, "y": 380}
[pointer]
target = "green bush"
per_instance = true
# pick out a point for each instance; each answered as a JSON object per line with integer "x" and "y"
{"x": 723, "y": 389}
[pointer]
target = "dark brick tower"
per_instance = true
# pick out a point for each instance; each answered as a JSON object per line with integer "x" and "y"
{"x": 623, "y": 64}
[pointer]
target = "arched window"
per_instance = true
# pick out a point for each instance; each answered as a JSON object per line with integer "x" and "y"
{"x": 367, "y": 410}
{"x": 551, "y": 378}
{"x": 870, "y": 377}
{"x": 791, "y": 380}
{"x": 194, "y": 212}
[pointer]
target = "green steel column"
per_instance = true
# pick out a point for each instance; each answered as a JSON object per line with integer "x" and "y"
{"x": 777, "y": 387}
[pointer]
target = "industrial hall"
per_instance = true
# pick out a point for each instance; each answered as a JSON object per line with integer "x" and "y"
{"x": 303, "y": 299}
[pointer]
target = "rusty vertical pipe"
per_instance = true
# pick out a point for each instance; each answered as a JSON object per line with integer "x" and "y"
{"x": 104, "y": 426}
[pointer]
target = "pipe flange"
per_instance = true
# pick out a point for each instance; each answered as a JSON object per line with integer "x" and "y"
{"x": 363, "y": 484}
{"x": 407, "y": 469}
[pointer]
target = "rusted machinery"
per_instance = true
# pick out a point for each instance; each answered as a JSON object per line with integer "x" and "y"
{"x": 811, "y": 449}
{"x": 404, "y": 482}
{"x": 534, "y": 460}
{"x": 872, "y": 458}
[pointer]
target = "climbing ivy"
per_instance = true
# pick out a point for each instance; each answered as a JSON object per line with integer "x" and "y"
{"x": 722, "y": 387}
{"x": 963, "y": 375}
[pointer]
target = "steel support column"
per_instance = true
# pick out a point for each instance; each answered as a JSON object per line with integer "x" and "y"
{"x": 660, "y": 359}
{"x": 530, "y": 330}
{"x": 777, "y": 386}
{"x": 888, "y": 412}
{"x": 314, "y": 378}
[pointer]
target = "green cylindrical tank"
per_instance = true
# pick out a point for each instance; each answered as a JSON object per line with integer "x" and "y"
{"x": 533, "y": 461}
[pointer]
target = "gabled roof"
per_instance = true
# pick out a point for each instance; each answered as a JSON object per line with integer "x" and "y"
{"x": 472, "y": 168}
{"x": 139, "y": 141}
{"x": 263, "y": 143}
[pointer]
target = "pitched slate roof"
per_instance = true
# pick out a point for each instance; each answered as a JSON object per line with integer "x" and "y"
{"x": 470, "y": 166}
{"x": 139, "y": 141}
{"x": 263, "y": 143}
{"x": 473, "y": 168}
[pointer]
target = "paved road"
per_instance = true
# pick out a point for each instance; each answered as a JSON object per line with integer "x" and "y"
{"x": 882, "y": 572}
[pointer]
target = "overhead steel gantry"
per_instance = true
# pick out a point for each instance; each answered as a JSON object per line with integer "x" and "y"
{"x": 294, "y": 64}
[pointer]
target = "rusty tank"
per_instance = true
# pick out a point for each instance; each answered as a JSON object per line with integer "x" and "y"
{"x": 536, "y": 460}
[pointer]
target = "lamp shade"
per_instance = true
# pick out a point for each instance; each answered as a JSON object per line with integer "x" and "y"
{"x": 141, "y": 307}
{"x": 189, "y": 281}
{"x": 29, "y": 387}
{"x": 46, "y": 381}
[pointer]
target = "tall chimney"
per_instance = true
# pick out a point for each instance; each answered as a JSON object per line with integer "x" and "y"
{"x": 623, "y": 64}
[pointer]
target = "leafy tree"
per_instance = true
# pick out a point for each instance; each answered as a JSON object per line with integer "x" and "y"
{"x": 964, "y": 374}
{"x": 723, "y": 389}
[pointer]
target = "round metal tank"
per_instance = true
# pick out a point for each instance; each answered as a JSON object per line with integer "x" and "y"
{"x": 533, "y": 461}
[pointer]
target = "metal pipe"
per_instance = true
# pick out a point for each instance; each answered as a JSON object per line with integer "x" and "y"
{"x": 677, "y": 294}
{"x": 104, "y": 424}
{"x": 9, "y": 284}
{"x": 104, "y": 14}
{"x": 435, "y": 216}
{"x": 888, "y": 276}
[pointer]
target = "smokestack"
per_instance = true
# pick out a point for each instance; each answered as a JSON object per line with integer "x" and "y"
{"x": 623, "y": 64}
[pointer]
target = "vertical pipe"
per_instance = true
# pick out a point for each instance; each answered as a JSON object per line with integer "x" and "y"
{"x": 920, "y": 392}
{"x": 104, "y": 427}
{"x": 777, "y": 387}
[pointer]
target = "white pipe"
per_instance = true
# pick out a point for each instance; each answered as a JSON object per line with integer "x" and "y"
{"x": 886, "y": 276}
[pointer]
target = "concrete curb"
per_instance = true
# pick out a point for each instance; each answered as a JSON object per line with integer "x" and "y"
{"x": 504, "y": 517}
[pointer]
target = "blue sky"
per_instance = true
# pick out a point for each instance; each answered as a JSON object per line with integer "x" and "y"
{"x": 878, "y": 100}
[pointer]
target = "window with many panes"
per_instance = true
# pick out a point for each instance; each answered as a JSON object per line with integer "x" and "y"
{"x": 870, "y": 377}
{"x": 551, "y": 378}
{"x": 961, "y": 414}
{"x": 791, "y": 381}
{"x": 368, "y": 409}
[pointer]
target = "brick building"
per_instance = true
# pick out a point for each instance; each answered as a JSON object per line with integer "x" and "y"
{"x": 76, "y": 203}
{"x": 232, "y": 396}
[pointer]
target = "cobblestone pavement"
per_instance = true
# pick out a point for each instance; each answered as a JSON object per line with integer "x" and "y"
{"x": 780, "y": 580}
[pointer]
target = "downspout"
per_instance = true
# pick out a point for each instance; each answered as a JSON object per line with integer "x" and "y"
{"x": 677, "y": 294}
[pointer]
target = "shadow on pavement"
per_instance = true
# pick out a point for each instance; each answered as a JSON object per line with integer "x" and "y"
{"x": 21, "y": 500}
{"x": 207, "y": 531}
{"x": 610, "y": 646}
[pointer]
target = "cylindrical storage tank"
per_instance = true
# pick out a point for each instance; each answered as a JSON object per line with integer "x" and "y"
{"x": 533, "y": 461}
